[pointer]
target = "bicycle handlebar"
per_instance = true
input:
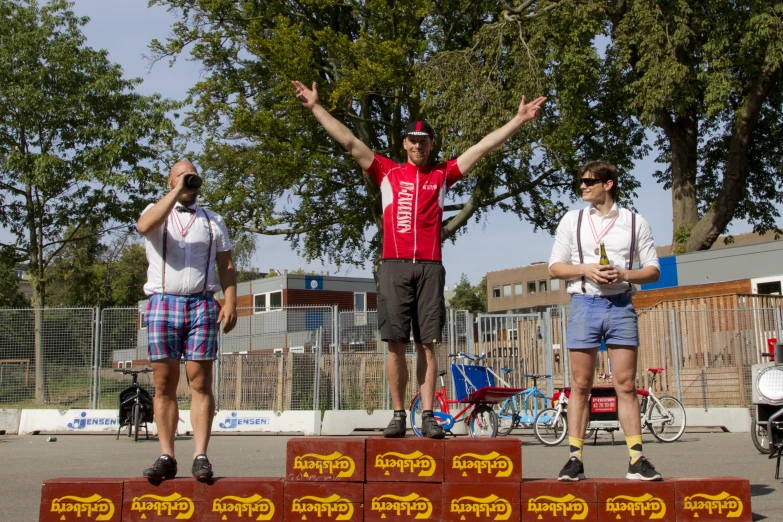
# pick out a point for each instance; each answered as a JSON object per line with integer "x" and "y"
{"x": 131, "y": 371}
{"x": 468, "y": 357}
{"x": 532, "y": 376}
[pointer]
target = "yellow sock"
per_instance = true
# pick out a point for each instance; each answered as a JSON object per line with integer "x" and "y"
{"x": 634, "y": 443}
{"x": 575, "y": 445}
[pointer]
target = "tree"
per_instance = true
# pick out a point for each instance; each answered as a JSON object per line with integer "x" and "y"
{"x": 76, "y": 142}
{"x": 10, "y": 297}
{"x": 468, "y": 297}
{"x": 705, "y": 77}
{"x": 372, "y": 61}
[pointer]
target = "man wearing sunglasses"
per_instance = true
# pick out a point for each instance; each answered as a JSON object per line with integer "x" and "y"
{"x": 411, "y": 277}
{"x": 601, "y": 307}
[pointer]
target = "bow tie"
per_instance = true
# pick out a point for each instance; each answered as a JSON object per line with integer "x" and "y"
{"x": 180, "y": 208}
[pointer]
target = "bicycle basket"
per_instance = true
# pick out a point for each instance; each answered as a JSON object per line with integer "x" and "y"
{"x": 468, "y": 379}
{"x": 125, "y": 405}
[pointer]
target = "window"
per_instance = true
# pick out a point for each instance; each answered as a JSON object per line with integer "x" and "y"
{"x": 531, "y": 287}
{"x": 495, "y": 291}
{"x": 19, "y": 274}
{"x": 506, "y": 290}
{"x": 542, "y": 286}
{"x": 360, "y": 309}
{"x": 554, "y": 285}
{"x": 267, "y": 302}
{"x": 517, "y": 288}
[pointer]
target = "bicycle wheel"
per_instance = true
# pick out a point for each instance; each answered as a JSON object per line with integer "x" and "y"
{"x": 507, "y": 417}
{"x": 550, "y": 426}
{"x": 666, "y": 419}
{"x": 136, "y": 420}
{"x": 483, "y": 422}
{"x": 758, "y": 435}
{"x": 417, "y": 409}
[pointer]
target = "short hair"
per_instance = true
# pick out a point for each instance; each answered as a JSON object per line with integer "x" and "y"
{"x": 602, "y": 170}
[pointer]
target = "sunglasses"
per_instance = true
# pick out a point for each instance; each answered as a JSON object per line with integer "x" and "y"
{"x": 589, "y": 182}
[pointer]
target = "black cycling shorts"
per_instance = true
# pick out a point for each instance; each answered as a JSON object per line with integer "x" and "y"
{"x": 411, "y": 297}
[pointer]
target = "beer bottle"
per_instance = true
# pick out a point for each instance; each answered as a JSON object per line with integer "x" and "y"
{"x": 604, "y": 259}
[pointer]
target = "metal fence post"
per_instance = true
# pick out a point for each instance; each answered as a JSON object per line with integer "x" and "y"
{"x": 673, "y": 332}
{"x": 549, "y": 356}
{"x": 96, "y": 367}
{"x": 779, "y": 324}
{"x": 336, "y": 363}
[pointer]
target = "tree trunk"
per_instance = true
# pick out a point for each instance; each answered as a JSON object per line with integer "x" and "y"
{"x": 682, "y": 133}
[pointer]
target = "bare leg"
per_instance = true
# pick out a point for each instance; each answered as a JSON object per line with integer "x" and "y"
{"x": 165, "y": 374}
{"x": 624, "y": 378}
{"x": 582, "y": 375}
{"x": 202, "y": 406}
{"x": 426, "y": 373}
{"x": 397, "y": 374}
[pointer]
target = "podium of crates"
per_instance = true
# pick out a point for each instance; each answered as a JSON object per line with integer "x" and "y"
{"x": 390, "y": 480}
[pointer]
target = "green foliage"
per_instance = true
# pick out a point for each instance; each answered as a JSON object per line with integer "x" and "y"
{"x": 470, "y": 298}
{"x": 76, "y": 141}
{"x": 701, "y": 76}
{"x": 10, "y": 297}
{"x": 377, "y": 66}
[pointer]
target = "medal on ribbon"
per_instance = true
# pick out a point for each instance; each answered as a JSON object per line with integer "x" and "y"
{"x": 183, "y": 229}
{"x": 598, "y": 237}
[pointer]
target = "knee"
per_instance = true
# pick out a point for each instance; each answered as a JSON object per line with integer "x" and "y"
{"x": 625, "y": 386}
{"x": 201, "y": 386}
{"x": 581, "y": 384}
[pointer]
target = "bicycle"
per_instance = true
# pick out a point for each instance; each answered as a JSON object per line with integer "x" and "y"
{"x": 475, "y": 386}
{"x": 134, "y": 405}
{"x": 508, "y": 412}
{"x": 664, "y": 416}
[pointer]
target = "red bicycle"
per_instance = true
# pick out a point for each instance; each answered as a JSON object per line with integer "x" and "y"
{"x": 475, "y": 387}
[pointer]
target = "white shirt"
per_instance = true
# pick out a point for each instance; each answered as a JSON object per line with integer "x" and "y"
{"x": 185, "y": 266}
{"x": 617, "y": 242}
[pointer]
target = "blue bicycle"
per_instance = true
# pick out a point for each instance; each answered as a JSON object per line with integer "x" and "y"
{"x": 522, "y": 409}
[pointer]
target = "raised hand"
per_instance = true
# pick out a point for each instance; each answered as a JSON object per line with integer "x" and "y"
{"x": 528, "y": 111}
{"x": 307, "y": 97}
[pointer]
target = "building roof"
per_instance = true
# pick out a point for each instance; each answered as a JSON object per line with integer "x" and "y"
{"x": 744, "y": 239}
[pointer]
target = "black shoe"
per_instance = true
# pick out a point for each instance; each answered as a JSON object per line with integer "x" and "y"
{"x": 573, "y": 470}
{"x": 202, "y": 469}
{"x": 163, "y": 468}
{"x": 642, "y": 470}
{"x": 431, "y": 429}
{"x": 396, "y": 428}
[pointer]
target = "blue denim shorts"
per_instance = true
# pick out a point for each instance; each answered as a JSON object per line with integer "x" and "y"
{"x": 593, "y": 317}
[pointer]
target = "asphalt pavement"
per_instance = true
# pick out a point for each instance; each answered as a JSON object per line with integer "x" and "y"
{"x": 29, "y": 460}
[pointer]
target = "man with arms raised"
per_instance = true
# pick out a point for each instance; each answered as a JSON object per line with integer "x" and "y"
{"x": 411, "y": 276}
{"x": 601, "y": 307}
{"x": 184, "y": 243}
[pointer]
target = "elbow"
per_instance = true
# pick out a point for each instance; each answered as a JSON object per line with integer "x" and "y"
{"x": 142, "y": 228}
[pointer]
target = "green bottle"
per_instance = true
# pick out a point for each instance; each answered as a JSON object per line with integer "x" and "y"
{"x": 604, "y": 259}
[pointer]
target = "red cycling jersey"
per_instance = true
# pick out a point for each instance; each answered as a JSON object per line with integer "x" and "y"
{"x": 413, "y": 200}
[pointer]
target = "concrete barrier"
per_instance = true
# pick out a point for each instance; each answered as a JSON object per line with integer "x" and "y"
{"x": 9, "y": 421}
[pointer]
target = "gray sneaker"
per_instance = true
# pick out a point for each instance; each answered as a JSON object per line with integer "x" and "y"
{"x": 431, "y": 429}
{"x": 642, "y": 470}
{"x": 396, "y": 428}
{"x": 573, "y": 471}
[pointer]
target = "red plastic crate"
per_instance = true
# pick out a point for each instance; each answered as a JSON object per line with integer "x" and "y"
{"x": 483, "y": 501}
{"x": 81, "y": 499}
{"x": 635, "y": 500}
{"x": 412, "y": 459}
{"x": 402, "y": 501}
{"x": 145, "y": 501}
{"x": 241, "y": 499}
{"x": 325, "y": 459}
{"x": 714, "y": 498}
{"x": 552, "y": 500}
{"x": 483, "y": 460}
{"x": 323, "y": 501}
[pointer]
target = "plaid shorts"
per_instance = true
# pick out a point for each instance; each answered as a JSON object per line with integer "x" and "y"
{"x": 183, "y": 325}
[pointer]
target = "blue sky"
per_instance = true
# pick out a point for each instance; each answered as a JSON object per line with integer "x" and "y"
{"x": 125, "y": 28}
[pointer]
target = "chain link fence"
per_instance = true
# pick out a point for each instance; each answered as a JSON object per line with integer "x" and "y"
{"x": 305, "y": 358}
